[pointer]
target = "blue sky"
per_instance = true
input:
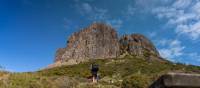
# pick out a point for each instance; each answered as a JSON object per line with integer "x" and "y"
{"x": 32, "y": 30}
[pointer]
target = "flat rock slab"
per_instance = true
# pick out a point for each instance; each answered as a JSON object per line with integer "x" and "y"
{"x": 177, "y": 80}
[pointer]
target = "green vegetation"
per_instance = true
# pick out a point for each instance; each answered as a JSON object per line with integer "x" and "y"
{"x": 127, "y": 72}
{"x": 136, "y": 81}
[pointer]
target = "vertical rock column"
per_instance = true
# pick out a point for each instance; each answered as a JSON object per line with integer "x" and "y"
{"x": 98, "y": 41}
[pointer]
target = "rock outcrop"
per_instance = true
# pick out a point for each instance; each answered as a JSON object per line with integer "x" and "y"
{"x": 100, "y": 41}
{"x": 177, "y": 80}
{"x": 96, "y": 41}
{"x": 138, "y": 45}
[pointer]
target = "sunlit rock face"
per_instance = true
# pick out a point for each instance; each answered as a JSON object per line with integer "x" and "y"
{"x": 137, "y": 44}
{"x": 100, "y": 41}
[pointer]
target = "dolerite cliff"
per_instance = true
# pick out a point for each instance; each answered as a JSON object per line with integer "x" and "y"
{"x": 100, "y": 41}
{"x": 138, "y": 45}
{"x": 96, "y": 41}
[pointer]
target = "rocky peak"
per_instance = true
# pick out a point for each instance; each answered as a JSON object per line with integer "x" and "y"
{"x": 96, "y": 41}
{"x": 100, "y": 41}
{"x": 137, "y": 44}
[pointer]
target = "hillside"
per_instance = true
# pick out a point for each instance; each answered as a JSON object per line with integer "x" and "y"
{"x": 127, "y": 72}
{"x": 129, "y": 61}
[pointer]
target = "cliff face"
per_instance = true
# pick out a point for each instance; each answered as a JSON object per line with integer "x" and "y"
{"x": 96, "y": 41}
{"x": 100, "y": 41}
{"x": 137, "y": 44}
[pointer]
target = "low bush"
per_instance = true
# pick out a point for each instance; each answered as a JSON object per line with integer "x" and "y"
{"x": 136, "y": 81}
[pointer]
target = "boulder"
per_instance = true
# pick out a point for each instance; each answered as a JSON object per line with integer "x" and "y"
{"x": 177, "y": 80}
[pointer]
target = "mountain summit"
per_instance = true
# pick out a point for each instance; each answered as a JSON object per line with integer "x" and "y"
{"x": 101, "y": 41}
{"x": 96, "y": 41}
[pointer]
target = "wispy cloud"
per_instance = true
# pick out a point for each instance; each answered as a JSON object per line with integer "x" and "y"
{"x": 152, "y": 34}
{"x": 195, "y": 55}
{"x": 90, "y": 11}
{"x": 184, "y": 15}
{"x": 173, "y": 50}
{"x": 94, "y": 13}
{"x": 100, "y": 14}
{"x": 131, "y": 10}
{"x": 181, "y": 4}
{"x": 116, "y": 23}
{"x": 83, "y": 8}
{"x": 163, "y": 42}
{"x": 86, "y": 8}
{"x": 148, "y": 5}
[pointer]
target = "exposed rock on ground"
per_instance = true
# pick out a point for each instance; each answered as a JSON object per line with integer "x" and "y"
{"x": 177, "y": 80}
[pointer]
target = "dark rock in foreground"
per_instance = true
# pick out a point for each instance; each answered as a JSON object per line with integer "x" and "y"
{"x": 177, "y": 80}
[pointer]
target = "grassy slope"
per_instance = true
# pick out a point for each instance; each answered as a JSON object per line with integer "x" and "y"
{"x": 126, "y": 72}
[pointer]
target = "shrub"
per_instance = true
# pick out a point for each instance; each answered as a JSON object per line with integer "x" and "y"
{"x": 136, "y": 81}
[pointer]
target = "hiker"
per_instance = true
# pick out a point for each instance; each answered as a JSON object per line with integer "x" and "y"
{"x": 94, "y": 71}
